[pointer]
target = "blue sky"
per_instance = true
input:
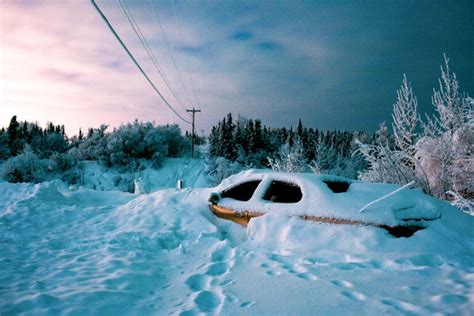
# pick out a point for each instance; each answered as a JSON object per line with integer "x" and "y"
{"x": 334, "y": 64}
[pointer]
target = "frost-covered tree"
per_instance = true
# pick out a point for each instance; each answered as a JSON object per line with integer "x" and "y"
{"x": 219, "y": 168}
{"x": 440, "y": 160}
{"x": 326, "y": 157}
{"x": 382, "y": 135}
{"x": 405, "y": 119}
{"x": 25, "y": 167}
{"x": 384, "y": 165}
{"x": 451, "y": 105}
{"x": 444, "y": 152}
{"x": 290, "y": 158}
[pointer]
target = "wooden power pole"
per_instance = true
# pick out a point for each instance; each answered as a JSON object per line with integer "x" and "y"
{"x": 193, "y": 111}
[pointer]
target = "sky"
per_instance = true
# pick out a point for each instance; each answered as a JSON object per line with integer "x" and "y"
{"x": 333, "y": 64}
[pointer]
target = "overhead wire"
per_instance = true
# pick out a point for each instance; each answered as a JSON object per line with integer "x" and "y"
{"x": 136, "y": 62}
{"x": 136, "y": 28}
{"x": 185, "y": 59}
{"x": 155, "y": 11}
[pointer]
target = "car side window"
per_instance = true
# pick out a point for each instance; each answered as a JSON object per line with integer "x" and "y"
{"x": 283, "y": 192}
{"x": 242, "y": 192}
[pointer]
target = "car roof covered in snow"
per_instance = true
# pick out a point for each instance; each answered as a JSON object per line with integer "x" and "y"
{"x": 318, "y": 199}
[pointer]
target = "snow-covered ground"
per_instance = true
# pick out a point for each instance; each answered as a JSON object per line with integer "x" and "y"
{"x": 190, "y": 171}
{"x": 107, "y": 252}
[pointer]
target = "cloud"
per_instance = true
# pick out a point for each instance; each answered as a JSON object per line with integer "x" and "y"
{"x": 268, "y": 46}
{"x": 335, "y": 66}
{"x": 242, "y": 36}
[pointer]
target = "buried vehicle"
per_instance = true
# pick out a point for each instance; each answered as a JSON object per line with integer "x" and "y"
{"x": 323, "y": 198}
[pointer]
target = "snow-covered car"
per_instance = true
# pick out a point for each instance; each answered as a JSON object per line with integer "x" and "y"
{"x": 323, "y": 198}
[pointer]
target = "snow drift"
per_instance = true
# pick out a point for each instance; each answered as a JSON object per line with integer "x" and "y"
{"x": 89, "y": 252}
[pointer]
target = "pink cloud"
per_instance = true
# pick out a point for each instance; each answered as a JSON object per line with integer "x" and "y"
{"x": 60, "y": 63}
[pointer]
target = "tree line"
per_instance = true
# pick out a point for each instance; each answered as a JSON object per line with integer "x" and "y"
{"x": 247, "y": 143}
{"x": 33, "y": 154}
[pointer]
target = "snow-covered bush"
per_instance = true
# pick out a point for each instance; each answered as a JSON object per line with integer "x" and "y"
{"x": 128, "y": 146}
{"x": 290, "y": 158}
{"x": 440, "y": 160}
{"x": 384, "y": 165}
{"x": 52, "y": 143}
{"x": 94, "y": 146}
{"x": 444, "y": 151}
{"x": 25, "y": 167}
{"x": 325, "y": 158}
{"x": 464, "y": 204}
{"x": 220, "y": 168}
{"x": 64, "y": 161}
{"x": 394, "y": 163}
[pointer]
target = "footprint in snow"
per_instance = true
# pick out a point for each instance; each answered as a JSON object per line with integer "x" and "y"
{"x": 307, "y": 276}
{"x": 217, "y": 269}
{"x": 227, "y": 282}
{"x": 354, "y": 295}
{"x": 404, "y": 307}
{"x": 450, "y": 299}
{"x": 247, "y": 304}
{"x": 222, "y": 254}
{"x": 197, "y": 282}
{"x": 343, "y": 283}
{"x": 207, "y": 301}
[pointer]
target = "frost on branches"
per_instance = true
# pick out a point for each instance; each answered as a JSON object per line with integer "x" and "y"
{"x": 290, "y": 158}
{"x": 440, "y": 158}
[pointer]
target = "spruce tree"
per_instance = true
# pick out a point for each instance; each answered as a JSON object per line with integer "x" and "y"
{"x": 228, "y": 147}
{"x": 13, "y": 136}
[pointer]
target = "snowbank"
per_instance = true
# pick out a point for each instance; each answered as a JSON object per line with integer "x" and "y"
{"x": 190, "y": 171}
{"x": 92, "y": 252}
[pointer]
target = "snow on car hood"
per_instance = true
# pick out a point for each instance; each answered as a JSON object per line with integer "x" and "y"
{"x": 319, "y": 200}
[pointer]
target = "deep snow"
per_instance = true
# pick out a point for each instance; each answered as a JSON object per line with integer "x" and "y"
{"x": 190, "y": 171}
{"x": 91, "y": 252}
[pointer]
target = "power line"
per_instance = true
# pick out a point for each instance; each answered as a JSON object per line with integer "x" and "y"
{"x": 185, "y": 59}
{"x": 135, "y": 61}
{"x": 155, "y": 11}
{"x": 136, "y": 28}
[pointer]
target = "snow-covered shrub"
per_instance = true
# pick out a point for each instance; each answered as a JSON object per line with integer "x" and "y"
{"x": 405, "y": 120}
{"x": 128, "y": 146}
{"x": 52, "y": 143}
{"x": 25, "y": 167}
{"x": 325, "y": 157}
{"x": 444, "y": 152}
{"x": 384, "y": 165}
{"x": 329, "y": 160}
{"x": 453, "y": 107}
{"x": 176, "y": 144}
{"x": 157, "y": 142}
{"x": 94, "y": 147}
{"x": 447, "y": 163}
{"x": 64, "y": 161}
{"x": 440, "y": 160}
{"x": 464, "y": 204}
{"x": 394, "y": 163}
{"x": 220, "y": 168}
{"x": 290, "y": 158}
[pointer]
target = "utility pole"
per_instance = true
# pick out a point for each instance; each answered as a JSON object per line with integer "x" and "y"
{"x": 193, "y": 111}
